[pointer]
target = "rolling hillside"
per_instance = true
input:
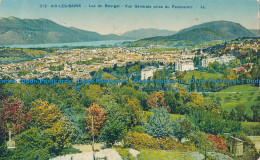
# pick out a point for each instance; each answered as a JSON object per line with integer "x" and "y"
{"x": 206, "y": 32}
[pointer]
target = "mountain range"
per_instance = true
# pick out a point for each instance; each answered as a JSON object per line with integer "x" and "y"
{"x": 36, "y": 31}
{"x": 146, "y": 33}
{"x": 39, "y": 31}
{"x": 206, "y": 32}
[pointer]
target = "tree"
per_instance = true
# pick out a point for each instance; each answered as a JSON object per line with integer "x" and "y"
{"x": 155, "y": 100}
{"x": 170, "y": 100}
{"x": 182, "y": 128}
{"x": 240, "y": 109}
{"x": 132, "y": 109}
{"x": 13, "y": 115}
{"x": 93, "y": 93}
{"x": 49, "y": 119}
{"x": 44, "y": 115}
{"x": 230, "y": 74}
{"x": 213, "y": 122}
{"x": 99, "y": 118}
{"x": 192, "y": 86}
{"x": 160, "y": 124}
{"x": 256, "y": 111}
{"x": 182, "y": 94}
{"x": 114, "y": 130}
{"x": 34, "y": 144}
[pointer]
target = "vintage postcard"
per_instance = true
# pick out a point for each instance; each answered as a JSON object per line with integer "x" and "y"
{"x": 129, "y": 80}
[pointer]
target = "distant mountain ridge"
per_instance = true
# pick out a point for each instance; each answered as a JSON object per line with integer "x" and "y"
{"x": 256, "y": 32}
{"x": 32, "y": 31}
{"x": 40, "y": 31}
{"x": 216, "y": 30}
{"x": 146, "y": 33}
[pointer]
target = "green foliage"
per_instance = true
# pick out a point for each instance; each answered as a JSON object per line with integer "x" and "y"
{"x": 213, "y": 122}
{"x": 182, "y": 127}
{"x": 93, "y": 93}
{"x": 23, "y": 73}
{"x": 34, "y": 144}
{"x": 162, "y": 154}
{"x": 200, "y": 140}
{"x": 89, "y": 62}
{"x": 17, "y": 55}
{"x": 113, "y": 131}
{"x": 57, "y": 68}
{"x": 200, "y": 75}
{"x": 143, "y": 141}
{"x": 43, "y": 114}
{"x": 70, "y": 150}
{"x": 159, "y": 125}
{"x": 124, "y": 153}
{"x": 251, "y": 128}
{"x": 250, "y": 152}
{"x": 170, "y": 100}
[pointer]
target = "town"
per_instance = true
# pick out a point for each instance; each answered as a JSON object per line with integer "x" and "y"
{"x": 79, "y": 63}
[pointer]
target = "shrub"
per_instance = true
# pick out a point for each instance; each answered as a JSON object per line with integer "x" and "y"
{"x": 124, "y": 153}
{"x": 217, "y": 143}
{"x": 200, "y": 140}
{"x": 143, "y": 141}
{"x": 251, "y": 130}
{"x": 182, "y": 128}
{"x": 160, "y": 124}
{"x": 35, "y": 144}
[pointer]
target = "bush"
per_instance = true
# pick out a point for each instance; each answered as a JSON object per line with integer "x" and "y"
{"x": 124, "y": 153}
{"x": 200, "y": 140}
{"x": 113, "y": 131}
{"x": 182, "y": 128}
{"x": 217, "y": 143}
{"x": 35, "y": 144}
{"x": 160, "y": 124}
{"x": 137, "y": 129}
{"x": 143, "y": 141}
{"x": 162, "y": 154}
{"x": 251, "y": 130}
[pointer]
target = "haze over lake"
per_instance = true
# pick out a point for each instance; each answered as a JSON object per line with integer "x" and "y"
{"x": 72, "y": 44}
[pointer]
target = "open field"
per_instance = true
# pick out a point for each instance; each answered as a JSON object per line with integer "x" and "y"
{"x": 246, "y": 95}
{"x": 200, "y": 75}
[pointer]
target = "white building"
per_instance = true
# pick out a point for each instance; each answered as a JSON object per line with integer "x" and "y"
{"x": 223, "y": 59}
{"x": 184, "y": 65}
{"x": 147, "y": 72}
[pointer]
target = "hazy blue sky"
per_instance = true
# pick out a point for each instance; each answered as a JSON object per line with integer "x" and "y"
{"x": 119, "y": 20}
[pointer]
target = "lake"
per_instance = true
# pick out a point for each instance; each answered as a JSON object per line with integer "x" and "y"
{"x": 72, "y": 44}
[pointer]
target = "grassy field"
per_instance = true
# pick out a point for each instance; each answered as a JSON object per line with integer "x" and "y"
{"x": 200, "y": 75}
{"x": 249, "y": 123}
{"x": 174, "y": 116}
{"x": 246, "y": 95}
{"x": 161, "y": 154}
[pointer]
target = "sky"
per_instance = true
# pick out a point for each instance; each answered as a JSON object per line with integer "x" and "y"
{"x": 119, "y": 20}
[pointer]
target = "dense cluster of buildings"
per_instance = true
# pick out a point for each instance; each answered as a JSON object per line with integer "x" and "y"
{"x": 79, "y": 63}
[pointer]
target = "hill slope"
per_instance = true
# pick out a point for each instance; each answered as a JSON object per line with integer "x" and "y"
{"x": 217, "y": 30}
{"x": 32, "y": 31}
{"x": 256, "y": 32}
{"x": 147, "y": 33}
